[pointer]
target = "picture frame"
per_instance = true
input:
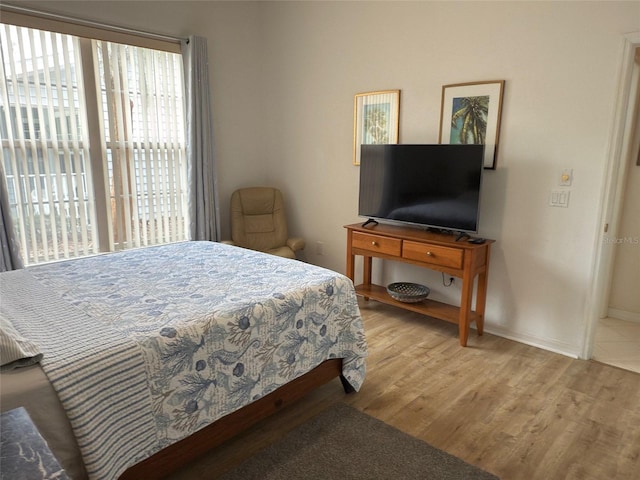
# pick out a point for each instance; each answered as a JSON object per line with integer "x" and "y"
{"x": 471, "y": 113}
{"x": 376, "y": 119}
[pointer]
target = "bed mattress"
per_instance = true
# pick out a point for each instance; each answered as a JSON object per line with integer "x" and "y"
{"x": 145, "y": 347}
{"x": 29, "y": 387}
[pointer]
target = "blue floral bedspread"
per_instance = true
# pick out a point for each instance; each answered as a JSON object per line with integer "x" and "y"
{"x": 203, "y": 328}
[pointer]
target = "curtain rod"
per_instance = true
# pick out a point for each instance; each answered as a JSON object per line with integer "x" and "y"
{"x": 88, "y": 23}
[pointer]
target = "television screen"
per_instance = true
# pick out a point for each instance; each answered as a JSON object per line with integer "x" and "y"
{"x": 436, "y": 186}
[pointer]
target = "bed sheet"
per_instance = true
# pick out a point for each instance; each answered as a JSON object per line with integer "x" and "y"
{"x": 145, "y": 347}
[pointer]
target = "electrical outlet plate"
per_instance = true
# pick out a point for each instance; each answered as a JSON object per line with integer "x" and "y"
{"x": 566, "y": 177}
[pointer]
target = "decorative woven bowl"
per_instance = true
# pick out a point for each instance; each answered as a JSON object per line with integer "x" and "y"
{"x": 408, "y": 292}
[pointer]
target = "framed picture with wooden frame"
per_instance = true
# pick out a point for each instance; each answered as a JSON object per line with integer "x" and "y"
{"x": 376, "y": 119}
{"x": 470, "y": 114}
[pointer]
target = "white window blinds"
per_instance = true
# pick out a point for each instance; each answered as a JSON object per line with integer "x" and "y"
{"x": 87, "y": 176}
{"x": 142, "y": 108}
{"x": 44, "y": 144}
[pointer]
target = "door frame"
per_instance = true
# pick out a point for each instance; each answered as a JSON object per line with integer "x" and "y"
{"x": 620, "y": 142}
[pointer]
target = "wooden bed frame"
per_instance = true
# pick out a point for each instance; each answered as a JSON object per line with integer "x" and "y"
{"x": 175, "y": 456}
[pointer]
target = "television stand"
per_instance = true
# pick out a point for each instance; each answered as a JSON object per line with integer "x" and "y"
{"x": 371, "y": 221}
{"x": 435, "y": 251}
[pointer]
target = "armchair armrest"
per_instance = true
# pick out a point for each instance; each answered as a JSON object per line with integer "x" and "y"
{"x": 296, "y": 243}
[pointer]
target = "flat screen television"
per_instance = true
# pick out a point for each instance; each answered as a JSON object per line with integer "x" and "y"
{"x": 436, "y": 186}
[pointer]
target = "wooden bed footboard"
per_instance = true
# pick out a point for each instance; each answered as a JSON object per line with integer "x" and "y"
{"x": 170, "y": 459}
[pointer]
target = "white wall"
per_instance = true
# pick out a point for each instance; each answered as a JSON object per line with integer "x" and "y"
{"x": 559, "y": 61}
{"x": 284, "y": 75}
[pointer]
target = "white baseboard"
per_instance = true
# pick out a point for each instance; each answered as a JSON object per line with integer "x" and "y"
{"x": 543, "y": 343}
{"x": 623, "y": 315}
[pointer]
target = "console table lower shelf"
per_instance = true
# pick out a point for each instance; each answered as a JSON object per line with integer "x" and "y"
{"x": 431, "y": 308}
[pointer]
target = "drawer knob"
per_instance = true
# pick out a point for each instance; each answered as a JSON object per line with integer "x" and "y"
{"x": 374, "y": 243}
{"x": 429, "y": 254}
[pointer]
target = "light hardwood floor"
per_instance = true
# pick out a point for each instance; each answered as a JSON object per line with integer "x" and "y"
{"x": 516, "y": 411}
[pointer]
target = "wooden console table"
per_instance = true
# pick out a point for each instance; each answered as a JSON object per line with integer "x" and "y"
{"x": 435, "y": 251}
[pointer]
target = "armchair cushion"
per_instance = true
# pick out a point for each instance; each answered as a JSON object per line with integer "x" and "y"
{"x": 258, "y": 222}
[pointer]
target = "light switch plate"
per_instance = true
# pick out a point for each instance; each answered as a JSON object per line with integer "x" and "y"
{"x": 559, "y": 198}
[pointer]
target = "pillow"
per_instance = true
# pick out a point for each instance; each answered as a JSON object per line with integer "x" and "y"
{"x": 15, "y": 350}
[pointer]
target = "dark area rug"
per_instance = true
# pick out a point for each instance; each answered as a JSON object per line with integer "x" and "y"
{"x": 344, "y": 443}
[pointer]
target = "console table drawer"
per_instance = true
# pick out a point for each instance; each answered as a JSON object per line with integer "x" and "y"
{"x": 433, "y": 254}
{"x": 377, "y": 243}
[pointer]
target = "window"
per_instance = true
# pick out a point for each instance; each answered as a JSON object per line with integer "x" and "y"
{"x": 93, "y": 143}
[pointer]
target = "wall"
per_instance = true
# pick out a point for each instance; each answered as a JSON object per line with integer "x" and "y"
{"x": 234, "y": 32}
{"x": 284, "y": 75}
{"x": 560, "y": 62}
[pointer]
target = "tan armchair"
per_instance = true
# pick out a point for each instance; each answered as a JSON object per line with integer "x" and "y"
{"x": 258, "y": 222}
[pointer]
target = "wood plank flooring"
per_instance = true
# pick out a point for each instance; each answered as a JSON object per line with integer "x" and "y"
{"x": 516, "y": 411}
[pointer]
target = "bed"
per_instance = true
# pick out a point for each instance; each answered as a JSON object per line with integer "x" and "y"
{"x": 152, "y": 356}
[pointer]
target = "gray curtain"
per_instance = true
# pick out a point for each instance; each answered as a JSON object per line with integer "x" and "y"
{"x": 10, "y": 255}
{"x": 203, "y": 204}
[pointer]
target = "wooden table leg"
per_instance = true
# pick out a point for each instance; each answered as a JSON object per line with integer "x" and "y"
{"x": 481, "y": 296}
{"x": 465, "y": 302}
{"x": 366, "y": 270}
{"x": 465, "y": 307}
{"x": 350, "y": 260}
{"x": 481, "y": 301}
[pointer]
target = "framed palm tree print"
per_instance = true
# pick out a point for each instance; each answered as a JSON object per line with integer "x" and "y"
{"x": 376, "y": 119}
{"x": 470, "y": 114}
